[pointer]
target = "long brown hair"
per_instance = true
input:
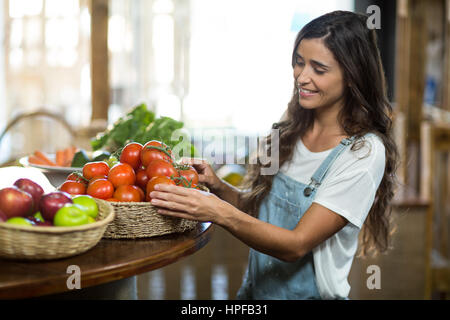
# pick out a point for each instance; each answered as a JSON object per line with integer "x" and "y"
{"x": 366, "y": 109}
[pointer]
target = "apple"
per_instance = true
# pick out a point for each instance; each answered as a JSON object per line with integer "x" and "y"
{"x": 3, "y": 216}
{"x": 19, "y": 221}
{"x": 51, "y": 202}
{"x": 70, "y": 215}
{"x": 39, "y": 216}
{"x": 33, "y": 189}
{"x": 44, "y": 224}
{"x": 15, "y": 202}
{"x": 87, "y": 203}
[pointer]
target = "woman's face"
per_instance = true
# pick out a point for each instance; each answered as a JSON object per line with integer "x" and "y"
{"x": 319, "y": 78}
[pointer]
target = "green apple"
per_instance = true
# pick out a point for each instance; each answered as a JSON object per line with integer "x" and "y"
{"x": 91, "y": 220}
{"x": 38, "y": 216}
{"x": 88, "y": 204}
{"x": 19, "y": 221}
{"x": 70, "y": 215}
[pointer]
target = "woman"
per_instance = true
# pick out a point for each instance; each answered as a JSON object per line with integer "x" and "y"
{"x": 337, "y": 162}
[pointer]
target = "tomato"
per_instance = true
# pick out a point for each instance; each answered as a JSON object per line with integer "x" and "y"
{"x": 112, "y": 200}
{"x": 141, "y": 192}
{"x": 96, "y": 168}
{"x": 78, "y": 177}
{"x": 121, "y": 174}
{"x": 131, "y": 154}
{"x": 141, "y": 178}
{"x": 101, "y": 189}
{"x": 73, "y": 187}
{"x": 149, "y": 153}
{"x": 97, "y": 178}
{"x": 188, "y": 175}
{"x": 161, "y": 168}
{"x": 127, "y": 193}
{"x": 153, "y": 182}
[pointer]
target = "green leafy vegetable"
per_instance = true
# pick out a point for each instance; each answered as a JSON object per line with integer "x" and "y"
{"x": 140, "y": 125}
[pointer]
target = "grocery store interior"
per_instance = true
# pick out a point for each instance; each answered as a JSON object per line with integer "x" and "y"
{"x": 221, "y": 69}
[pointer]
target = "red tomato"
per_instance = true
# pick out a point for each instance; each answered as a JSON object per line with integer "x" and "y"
{"x": 131, "y": 154}
{"x": 141, "y": 192}
{"x": 97, "y": 168}
{"x": 78, "y": 177}
{"x": 161, "y": 168}
{"x": 112, "y": 200}
{"x": 127, "y": 193}
{"x": 141, "y": 178}
{"x": 101, "y": 189}
{"x": 97, "y": 178}
{"x": 73, "y": 187}
{"x": 121, "y": 174}
{"x": 153, "y": 182}
{"x": 188, "y": 175}
{"x": 148, "y": 154}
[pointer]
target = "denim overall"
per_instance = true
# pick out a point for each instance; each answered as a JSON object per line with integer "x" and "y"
{"x": 267, "y": 277}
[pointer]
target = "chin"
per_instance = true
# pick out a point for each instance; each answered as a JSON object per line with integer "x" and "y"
{"x": 308, "y": 105}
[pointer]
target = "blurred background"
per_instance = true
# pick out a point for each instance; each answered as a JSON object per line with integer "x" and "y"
{"x": 71, "y": 68}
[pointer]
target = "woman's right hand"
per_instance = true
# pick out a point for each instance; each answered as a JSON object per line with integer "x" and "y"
{"x": 206, "y": 174}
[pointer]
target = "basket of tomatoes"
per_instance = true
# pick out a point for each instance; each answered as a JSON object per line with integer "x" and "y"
{"x": 126, "y": 185}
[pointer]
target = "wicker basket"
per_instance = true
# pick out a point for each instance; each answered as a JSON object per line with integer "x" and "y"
{"x": 140, "y": 220}
{"x": 45, "y": 243}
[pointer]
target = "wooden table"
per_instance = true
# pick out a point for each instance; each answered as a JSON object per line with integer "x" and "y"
{"x": 109, "y": 261}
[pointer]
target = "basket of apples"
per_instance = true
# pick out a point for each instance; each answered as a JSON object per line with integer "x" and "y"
{"x": 126, "y": 184}
{"x": 35, "y": 226}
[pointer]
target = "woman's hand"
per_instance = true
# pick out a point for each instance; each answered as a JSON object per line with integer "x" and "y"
{"x": 206, "y": 174}
{"x": 188, "y": 203}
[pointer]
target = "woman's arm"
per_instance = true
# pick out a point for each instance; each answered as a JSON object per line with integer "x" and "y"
{"x": 317, "y": 224}
{"x": 229, "y": 193}
{"x": 221, "y": 188}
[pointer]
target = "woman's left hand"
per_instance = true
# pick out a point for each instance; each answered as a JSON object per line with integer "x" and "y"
{"x": 187, "y": 203}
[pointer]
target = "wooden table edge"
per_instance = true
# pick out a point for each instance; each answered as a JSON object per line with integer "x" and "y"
{"x": 102, "y": 276}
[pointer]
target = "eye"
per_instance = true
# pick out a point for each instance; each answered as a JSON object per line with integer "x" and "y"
{"x": 319, "y": 72}
{"x": 299, "y": 61}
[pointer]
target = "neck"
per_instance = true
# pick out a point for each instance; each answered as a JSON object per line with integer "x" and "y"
{"x": 326, "y": 122}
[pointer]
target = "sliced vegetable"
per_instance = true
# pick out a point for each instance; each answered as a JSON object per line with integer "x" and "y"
{"x": 80, "y": 159}
{"x": 44, "y": 158}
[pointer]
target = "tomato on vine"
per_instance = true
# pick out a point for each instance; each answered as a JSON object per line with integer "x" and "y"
{"x": 131, "y": 154}
{"x": 189, "y": 174}
{"x": 121, "y": 174}
{"x": 92, "y": 169}
{"x": 153, "y": 182}
{"x": 155, "y": 150}
{"x": 160, "y": 167}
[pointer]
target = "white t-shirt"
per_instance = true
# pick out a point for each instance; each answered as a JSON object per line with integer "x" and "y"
{"x": 349, "y": 190}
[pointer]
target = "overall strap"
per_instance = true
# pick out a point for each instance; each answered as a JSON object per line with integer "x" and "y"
{"x": 320, "y": 173}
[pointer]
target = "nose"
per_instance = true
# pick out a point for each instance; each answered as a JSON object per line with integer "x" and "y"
{"x": 302, "y": 76}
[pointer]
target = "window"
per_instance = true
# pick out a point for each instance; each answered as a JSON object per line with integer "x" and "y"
{"x": 47, "y": 57}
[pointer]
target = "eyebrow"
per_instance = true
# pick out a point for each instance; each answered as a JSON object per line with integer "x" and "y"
{"x": 314, "y": 62}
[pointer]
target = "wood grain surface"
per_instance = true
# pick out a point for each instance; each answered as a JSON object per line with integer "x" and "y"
{"x": 108, "y": 261}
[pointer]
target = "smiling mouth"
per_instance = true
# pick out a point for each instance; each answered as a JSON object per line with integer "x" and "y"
{"x": 306, "y": 91}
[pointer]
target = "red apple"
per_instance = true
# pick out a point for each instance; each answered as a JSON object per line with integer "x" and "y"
{"x": 15, "y": 202}
{"x": 44, "y": 224}
{"x": 3, "y": 216}
{"x": 50, "y": 203}
{"x": 32, "y": 188}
